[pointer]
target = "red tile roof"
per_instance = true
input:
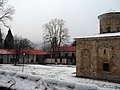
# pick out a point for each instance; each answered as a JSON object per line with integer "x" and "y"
{"x": 33, "y": 52}
{"x": 68, "y": 48}
{"x": 7, "y": 51}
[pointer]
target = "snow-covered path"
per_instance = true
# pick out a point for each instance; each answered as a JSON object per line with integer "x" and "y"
{"x": 57, "y": 72}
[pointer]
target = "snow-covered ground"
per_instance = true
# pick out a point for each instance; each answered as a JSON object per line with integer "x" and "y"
{"x": 49, "y": 77}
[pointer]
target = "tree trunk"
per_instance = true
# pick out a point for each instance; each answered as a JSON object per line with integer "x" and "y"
{"x": 15, "y": 60}
{"x": 55, "y": 56}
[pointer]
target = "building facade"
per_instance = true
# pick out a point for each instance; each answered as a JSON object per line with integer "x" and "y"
{"x": 8, "y": 56}
{"x": 98, "y": 56}
{"x": 65, "y": 55}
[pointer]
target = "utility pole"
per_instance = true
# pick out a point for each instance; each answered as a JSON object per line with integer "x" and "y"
{"x": 23, "y": 62}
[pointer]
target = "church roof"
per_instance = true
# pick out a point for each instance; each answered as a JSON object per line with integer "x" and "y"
{"x": 101, "y": 35}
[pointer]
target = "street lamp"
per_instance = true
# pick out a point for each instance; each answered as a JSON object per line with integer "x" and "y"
{"x": 23, "y": 62}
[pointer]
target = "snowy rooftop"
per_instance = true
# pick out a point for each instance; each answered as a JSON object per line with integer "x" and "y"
{"x": 101, "y": 35}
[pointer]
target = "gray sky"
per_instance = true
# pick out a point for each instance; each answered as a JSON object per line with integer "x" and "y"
{"x": 80, "y": 16}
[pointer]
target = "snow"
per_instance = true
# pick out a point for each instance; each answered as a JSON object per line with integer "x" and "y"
{"x": 101, "y": 35}
{"x": 49, "y": 77}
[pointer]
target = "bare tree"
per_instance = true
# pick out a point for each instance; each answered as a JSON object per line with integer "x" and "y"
{"x": 21, "y": 44}
{"x": 6, "y": 12}
{"x": 55, "y": 34}
{"x": 1, "y": 39}
{"x": 45, "y": 46}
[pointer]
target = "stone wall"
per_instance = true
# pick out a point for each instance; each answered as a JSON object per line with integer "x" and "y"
{"x": 98, "y": 58}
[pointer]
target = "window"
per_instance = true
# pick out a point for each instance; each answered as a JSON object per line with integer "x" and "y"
{"x": 118, "y": 29}
{"x": 31, "y": 60}
{"x": 108, "y": 29}
{"x": 73, "y": 55}
{"x": 105, "y": 66}
{"x": 100, "y": 29}
{"x": 104, "y": 51}
{"x": 53, "y": 55}
{"x": 59, "y": 55}
{"x": 66, "y": 54}
{"x": 56, "y": 60}
{"x": 61, "y": 60}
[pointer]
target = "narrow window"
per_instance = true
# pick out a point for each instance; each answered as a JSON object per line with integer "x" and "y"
{"x": 61, "y": 60}
{"x": 118, "y": 29}
{"x": 104, "y": 51}
{"x": 100, "y": 29}
{"x": 105, "y": 66}
{"x": 59, "y": 55}
{"x": 53, "y": 55}
{"x": 73, "y": 55}
{"x": 32, "y": 60}
{"x": 66, "y": 54}
{"x": 55, "y": 60}
{"x": 108, "y": 29}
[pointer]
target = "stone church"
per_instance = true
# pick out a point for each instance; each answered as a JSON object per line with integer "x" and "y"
{"x": 98, "y": 56}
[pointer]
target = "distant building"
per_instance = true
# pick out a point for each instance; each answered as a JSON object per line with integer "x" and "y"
{"x": 7, "y": 56}
{"x": 65, "y": 55}
{"x": 98, "y": 56}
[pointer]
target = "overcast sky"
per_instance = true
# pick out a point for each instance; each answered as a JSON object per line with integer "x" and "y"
{"x": 80, "y": 16}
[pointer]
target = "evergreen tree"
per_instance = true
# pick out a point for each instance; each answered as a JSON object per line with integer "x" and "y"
{"x": 9, "y": 40}
{"x": 73, "y": 43}
{"x": 1, "y": 40}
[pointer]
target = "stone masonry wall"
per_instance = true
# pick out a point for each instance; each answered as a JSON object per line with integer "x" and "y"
{"x": 98, "y": 58}
{"x": 109, "y": 22}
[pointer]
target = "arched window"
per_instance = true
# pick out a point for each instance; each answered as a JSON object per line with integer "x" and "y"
{"x": 104, "y": 51}
{"x": 109, "y": 29}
